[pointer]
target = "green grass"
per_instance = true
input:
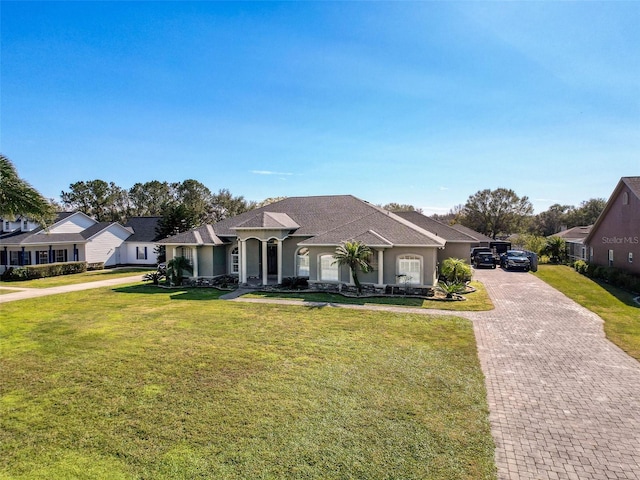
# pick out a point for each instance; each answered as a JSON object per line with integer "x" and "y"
{"x": 141, "y": 382}
{"x": 92, "y": 276}
{"x": 616, "y": 307}
{"x": 476, "y": 301}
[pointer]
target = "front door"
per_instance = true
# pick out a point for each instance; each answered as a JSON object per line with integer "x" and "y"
{"x": 272, "y": 259}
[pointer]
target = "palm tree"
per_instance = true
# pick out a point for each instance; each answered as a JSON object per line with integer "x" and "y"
{"x": 556, "y": 248}
{"x": 356, "y": 255}
{"x": 176, "y": 267}
{"x": 456, "y": 270}
{"x": 17, "y": 197}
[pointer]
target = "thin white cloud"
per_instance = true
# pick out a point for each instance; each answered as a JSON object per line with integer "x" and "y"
{"x": 269, "y": 172}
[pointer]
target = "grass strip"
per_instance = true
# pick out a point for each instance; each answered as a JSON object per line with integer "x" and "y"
{"x": 475, "y": 301}
{"x": 141, "y": 382}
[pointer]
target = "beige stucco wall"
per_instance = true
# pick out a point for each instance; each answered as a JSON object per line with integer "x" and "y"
{"x": 455, "y": 250}
{"x": 428, "y": 255}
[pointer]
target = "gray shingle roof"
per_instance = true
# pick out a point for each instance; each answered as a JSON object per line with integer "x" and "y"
{"x": 434, "y": 226}
{"x": 269, "y": 220}
{"x": 203, "y": 235}
{"x": 479, "y": 237}
{"x": 328, "y": 220}
{"x": 144, "y": 229}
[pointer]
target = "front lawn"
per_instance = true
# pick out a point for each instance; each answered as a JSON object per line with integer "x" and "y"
{"x": 616, "y": 307}
{"x": 92, "y": 276}
{"x": 141, "y": 382}
{"x": 475, "y": 301}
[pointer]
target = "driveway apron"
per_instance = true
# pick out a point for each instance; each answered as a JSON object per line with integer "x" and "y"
{"x": 564, "y": 401}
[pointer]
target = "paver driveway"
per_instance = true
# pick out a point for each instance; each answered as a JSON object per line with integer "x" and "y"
{"x": 564, "y": 401}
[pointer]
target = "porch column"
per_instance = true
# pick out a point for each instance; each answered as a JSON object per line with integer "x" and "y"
{"x": 50, "y": 254}
{"x": 279, "y": 261}
{"x": 6, "y": 257}
{"x": 380, "y": 267}
{"x": 174, "y": 251}
{"x": 22, "y": 257}
{"x": 265, "y": 264}
{"x": 243, "y": 261}
{"x": 195, "y": 262}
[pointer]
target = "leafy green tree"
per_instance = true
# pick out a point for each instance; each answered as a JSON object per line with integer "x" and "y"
{"x": 587, "y": 213}
{"x": 18, "y": 197}
{"x": 148, "y": 199}
{"x": 357, "y": 256}
{"x": 176, "y": 218}
{"x": 556, "y": 248}
{"x": 494, "y": 212}
{"x": 552, "y": 220}
{"x": 106, "y": 202}
{"x": 225, "y": 205}
{"x": 401, "y": 207}
{"x": 176, "y": 268}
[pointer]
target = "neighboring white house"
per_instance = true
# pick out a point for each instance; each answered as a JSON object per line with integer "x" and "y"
{"x": 73, "y": 236}
{"x": 140, "y": 247}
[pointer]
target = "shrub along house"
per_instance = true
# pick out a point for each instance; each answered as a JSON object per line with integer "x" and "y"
{"x": 614, "y": 240}
{"x": 297, "y": 237}
{"x": 73, "y": 237}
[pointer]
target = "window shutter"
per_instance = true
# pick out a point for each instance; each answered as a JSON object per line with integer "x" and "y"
{"x": 145, "y": 253}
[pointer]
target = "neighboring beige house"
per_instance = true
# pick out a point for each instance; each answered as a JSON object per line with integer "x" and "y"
{"x": 73, "y": 236}
{"x": 614, "y": 239}
{"x": 297, "y": 237}
{"x": 574, "y": 239}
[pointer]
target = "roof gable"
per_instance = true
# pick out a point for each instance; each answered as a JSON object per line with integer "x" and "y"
{"x": 268, "y": 220}
{"x": 629, "y": 184}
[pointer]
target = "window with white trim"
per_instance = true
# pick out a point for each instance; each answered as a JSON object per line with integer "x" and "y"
{"x": 611, "y": 258}
{"x": 61, "y": 256}
{"x": 141, "y": 253}
{"x": 409, "y": 270}
{"x": 625, "y": 198}
{"x": 328, "y": 269}
{"x": 43, "y": 256}
{"x": 235, "y": 260}
{"x": 302, "y": 258}
{"x": 14, "y": 258}
{"x": 186, "y": 253}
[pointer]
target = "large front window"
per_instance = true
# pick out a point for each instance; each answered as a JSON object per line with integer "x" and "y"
{"x": 61, "y": 256}
{"x": 328, "y": 269}
{"x": 303, "y": 262}
{"x": 186, "y": 253}
{"x": 409, "y": 270}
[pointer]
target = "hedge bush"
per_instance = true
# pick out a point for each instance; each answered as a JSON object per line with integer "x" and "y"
{"x": 31, "y": 272}
{"x": 614, "y": 276}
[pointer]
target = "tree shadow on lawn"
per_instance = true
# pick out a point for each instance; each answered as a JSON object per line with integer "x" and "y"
{"x": 174, "y": 293}
{"x": 624, "y": 296}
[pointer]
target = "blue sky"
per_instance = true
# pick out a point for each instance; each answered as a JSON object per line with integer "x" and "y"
{"x": 411, "y": 102}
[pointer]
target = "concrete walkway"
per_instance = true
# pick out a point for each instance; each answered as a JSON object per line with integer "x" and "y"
{"x": 24, "y": 293}
{"x": 564, "y": 401}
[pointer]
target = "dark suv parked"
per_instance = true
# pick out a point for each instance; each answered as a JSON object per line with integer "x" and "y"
{"x": 484, "y": 259}
{"x": 515, "y": 259}
{"x": 476, "y": 250}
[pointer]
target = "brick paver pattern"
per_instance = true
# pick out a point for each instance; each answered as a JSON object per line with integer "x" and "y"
{"x": 564, "y": 401}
